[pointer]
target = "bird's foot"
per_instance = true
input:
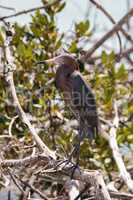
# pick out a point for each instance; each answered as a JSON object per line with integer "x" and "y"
{"x": 75, "y": 151}
{"x": 75, "y": 167}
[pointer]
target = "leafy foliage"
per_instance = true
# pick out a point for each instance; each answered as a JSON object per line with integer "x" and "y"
{"x": 40, "y": 40}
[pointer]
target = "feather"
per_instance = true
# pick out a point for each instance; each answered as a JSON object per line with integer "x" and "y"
{"x": 83, "y": 105}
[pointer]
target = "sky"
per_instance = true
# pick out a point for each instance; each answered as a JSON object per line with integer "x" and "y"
{"x": 75, "y": 11}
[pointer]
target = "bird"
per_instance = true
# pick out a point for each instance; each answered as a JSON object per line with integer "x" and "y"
{"x": 77, "y": 95}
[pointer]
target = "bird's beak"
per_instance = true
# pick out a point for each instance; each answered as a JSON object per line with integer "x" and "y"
{"x": 51, "y": 61}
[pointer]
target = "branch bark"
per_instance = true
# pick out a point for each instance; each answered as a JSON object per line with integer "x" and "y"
{"x": 30, "y": 10}
{"x": 109, "y": 17}
{"x": 115, "y": 28}
{"x": 9, "y": 67}
{"x": 127, "y": 35}
{"x": 7, "y": 8}
{"x": 116, "y": 153}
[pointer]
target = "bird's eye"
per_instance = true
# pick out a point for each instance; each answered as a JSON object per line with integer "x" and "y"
{"x": 68, "y": 75}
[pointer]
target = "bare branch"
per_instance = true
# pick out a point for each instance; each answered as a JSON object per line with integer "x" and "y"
{"x": 9, "y": 67}
{"x": 15, "y": 182}
{"x": 115, "y": 28}
{"x": 11, "y": 124}
{"x": 72, "y": 188}
{"x": 39, "y": 142}
{"x": 116, "y": 153}
{"x": 121, "y": 195}
{"x": 30, "y": 186}
{"x": 92, "y": 177}
{"x": 124, "y": 54}
{"x": 127, "y": 35}
{"x": 25, "y": 161}
{"x": 7, "y": 8}
{"x": 109, "y": 17}
{"x": 118, "y": 56}
{"x": 30, "y": 10}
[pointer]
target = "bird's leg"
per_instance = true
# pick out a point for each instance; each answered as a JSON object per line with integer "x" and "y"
{"x": 71, "y": 155}
{"x": 77, "y": 151}
{"x": 80, "y": 138}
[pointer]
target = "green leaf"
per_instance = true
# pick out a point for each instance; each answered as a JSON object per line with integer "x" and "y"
{"x": 130, "y": 138}
{"x": 82, "y": 28}
{"x": 108, "y": 59}
{"x": 1, "y": 39}
{"x": 120, "y": 138}
{"x": 41, "y": 18}
{"x": 59, "y": 42}
{"x": 73, "y": 48}
{"x": 104, "y": 57}
{"x": 121, "y": 74}
{"x": 61, "y": 7}
{"x": 112, "y": 57}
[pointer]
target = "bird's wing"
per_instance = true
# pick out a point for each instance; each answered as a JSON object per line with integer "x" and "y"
{"x": 83, "y": 104}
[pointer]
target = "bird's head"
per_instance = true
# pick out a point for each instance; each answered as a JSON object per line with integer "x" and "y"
{"x": 64, "y": 66}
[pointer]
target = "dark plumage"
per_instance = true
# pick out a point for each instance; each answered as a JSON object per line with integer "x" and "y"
{"x": 77, "y": 94}
{"x": 79, "y": 98}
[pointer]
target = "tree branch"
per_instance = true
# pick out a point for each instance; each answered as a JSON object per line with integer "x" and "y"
{"x": 30, "y": 10}
{"x": 9, "y": 67}
{"x": 109, "y": 17}
{"x": 116, "y": 153}
{"x": 118, "y": 56}
{"x": 24, "y": 161}
{"x": 7, "y": 8}
{"x": 127, "y": 35}
{"x": 115, "y": 28}
{"x": 92, "y": 177}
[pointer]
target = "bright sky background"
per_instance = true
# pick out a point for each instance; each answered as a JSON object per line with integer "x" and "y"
{"x": 75, "y": 11}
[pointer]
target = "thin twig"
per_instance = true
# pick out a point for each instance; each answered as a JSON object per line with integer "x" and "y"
{"x": 30, "y": 181}
{"x": 15, "y": 181}
{"x": 124, "y": 54}
{"x": 109, "y": 17}
{"x": 128, "y": 8}
{"x": 5, "y": 136}
{"x": 127, "y": 35}
{"x": 24, "y": 161}
{"x": 118, "y": 56}
{"x": 30, "y": 10}
{"x": 7, "y": 8}
{"x": 121, "y": 195}
{"x": 34, "y": 189}
{"x": 10, "y": 125}
{"x": 115, "y": 28}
